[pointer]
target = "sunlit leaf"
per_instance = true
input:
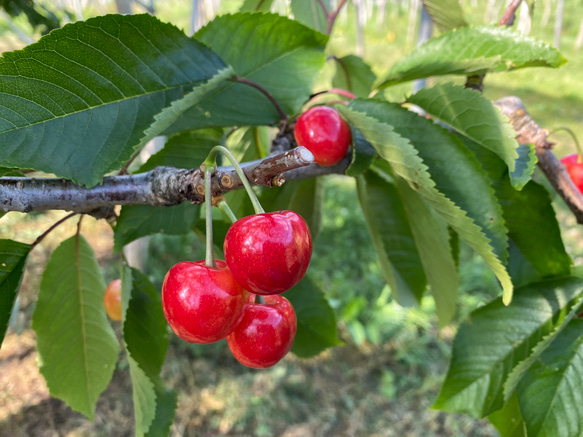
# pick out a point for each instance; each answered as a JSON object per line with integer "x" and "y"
{"x": 472, "y": 50}
{"x": 76, "y": 344}
{"x": 77, "y": 102}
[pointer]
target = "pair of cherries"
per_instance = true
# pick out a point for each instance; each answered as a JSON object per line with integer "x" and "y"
{"x": 265, "y": 254}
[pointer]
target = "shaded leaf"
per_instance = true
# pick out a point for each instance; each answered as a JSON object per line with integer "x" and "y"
{"x": 185, "y": 150}
{"x": 363, "y": 154}
{"x": 454, "y": 169}
{"x": 310, "y": 13}
{"x": 146, "y": 339}
{"x": 472, "y": 51}
{"x": 406, "y": 163}
{"x": 70, "y": 322}
{"x": 549, "y": 393}
{"x": 390, "y": 231}
{"x": 446, "y": 14}
{"x": 87, "y": 108}
{"x": 508, "y": 420}
{"x": 308, "y": 201}
{"x": 268, "y": 50}
{"x": 495, "y": 338}
{"x": 354, "y": 75}
{"x": 475, "y": 117}
{"x": 13, "y": 256}
{"x": 527, "y": 212}
{"x": 432, "y": 241}
{"x": 136, "y": 221}
{"x": 316, "y": 320}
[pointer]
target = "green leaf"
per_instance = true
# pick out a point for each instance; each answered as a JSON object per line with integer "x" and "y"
{"x": 316, "y": 320}
{"x": 530, "y": 213}
{"x": 470, "y": 51}
{"x": 311, "y": 14}
{"x": 518, "y": 372}
{"x": 144, "y": 327}
{"x": 146, "y": 338}
{"x": 185, "y": 150}
{"x": 475, "y": 117}
{"x": 527, "y": 212}
{"x": 308, "y": 201}
{"x": 267, "y": 49}
{"x": 389, "y": 229}
{"x": 454, "y": 169}
{"x": 136, "y": 221}
{"x": 363, "y": 154}
{"x": 76, "y": 344}
{"x": 432, "y": 241}
{"x": 256, "y": 6}
{"x": 354, "y": 75}
{"x": 88, "y": 96}
{"x": 170, "y": 119}
{"x": 166, "y": 404}
{"x": 495, "y": 338}
{"x": 12, "y": 261}
{"x": 508, "y": 421}
{"x": 549, "y": 394}
{"x": 446, "y": 14}
{"x": 406, "y": 163}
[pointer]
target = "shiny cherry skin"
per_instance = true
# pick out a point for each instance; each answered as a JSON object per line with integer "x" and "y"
{"x": 265, "y": 333}
{"x": 202, "y": 304}
{"x": 112, "y": 300}
{"x": 323, "y": 132}
{"x": 575, "y": 169}
{"x": 268, "y": 253}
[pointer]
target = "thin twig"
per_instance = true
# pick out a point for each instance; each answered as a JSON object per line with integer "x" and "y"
{"x": 51, "y": 228}
{"x": 509, "y": 14}
{"x": 332, "y": 17}
{"x": 266, "y": 93}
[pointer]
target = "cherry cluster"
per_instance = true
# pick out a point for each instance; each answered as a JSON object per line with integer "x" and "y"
{"x": 239, "y": 298}
{"x": 265, "y": 255}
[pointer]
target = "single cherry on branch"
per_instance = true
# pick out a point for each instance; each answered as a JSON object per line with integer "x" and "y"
{"x": 323, "y": 132}
{"x": 265, "y": 332}
{"x": 112, "y": 300}
{"x": 268, "y": 253}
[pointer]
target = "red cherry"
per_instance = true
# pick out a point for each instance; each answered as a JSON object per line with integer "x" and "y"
{"x": 575, "y": 169}
{"x": 323, "y": 132}
{"x": 268, "y": 253}
{"x": 265, "y": 332}
{"x": 202, "y": 304}
{"x": 112, "y": 300}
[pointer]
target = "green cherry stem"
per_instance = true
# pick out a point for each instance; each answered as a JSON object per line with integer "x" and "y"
{"x": 577, "y": 145}
{"x": 210, "y": 160}
{"x": 210, "y": 256}
{"x": 260, "y": 299}
{"x": 224, "y": 207}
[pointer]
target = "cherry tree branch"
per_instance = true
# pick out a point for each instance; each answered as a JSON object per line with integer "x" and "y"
{"x": 528, "y": 132}
{"x": 163, "y": 186}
